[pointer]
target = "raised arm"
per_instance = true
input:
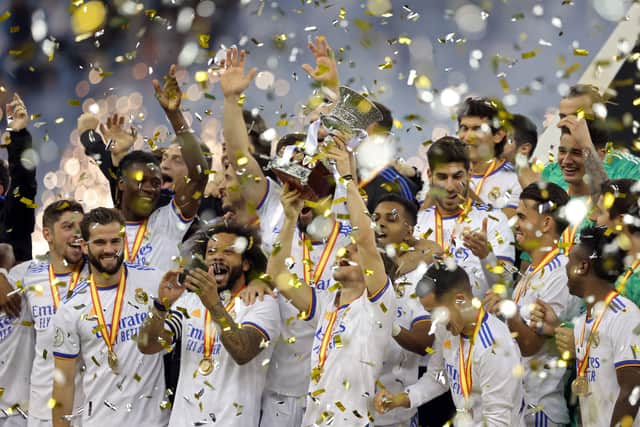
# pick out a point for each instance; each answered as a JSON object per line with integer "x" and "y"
{"x": 626, "y": 406}
{"x": 233, "y": 82}
{"x": 289, "y": 284}
{"x": 19, "y": 215}
{"x": 371, "y": 263}
{"x": 326, "y": 69}
{"x": 154, "y": 334}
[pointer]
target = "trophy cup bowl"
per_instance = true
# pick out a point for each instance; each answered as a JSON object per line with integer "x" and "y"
{"x": 313, "y": 177}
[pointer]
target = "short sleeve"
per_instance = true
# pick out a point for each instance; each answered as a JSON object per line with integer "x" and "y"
{"x": 17, "y": 273}
{"x": 500, "y": 236}
{"x": 625, "y": 340}
{"x": 169, "y": 221}
{"x": 264, "y": 316}
{"x": 552, "y": 290}
{"x": 383, "y": 304}
{"x": 66, "y": 340}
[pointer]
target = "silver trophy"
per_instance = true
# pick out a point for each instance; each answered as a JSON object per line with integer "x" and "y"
{"x": 353, "y": 114}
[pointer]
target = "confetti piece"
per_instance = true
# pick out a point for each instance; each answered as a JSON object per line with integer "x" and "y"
{"x": 517, "y": 17}
{"x": 529, "y": 55}
{"x": 580, "y": 52}
{"x": 5, "y": 16}
{"x": 203, "y": 40}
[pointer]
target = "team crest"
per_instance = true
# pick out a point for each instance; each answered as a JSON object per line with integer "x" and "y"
{"x": 58, "y": 337}
{"x": 494, "y": 194}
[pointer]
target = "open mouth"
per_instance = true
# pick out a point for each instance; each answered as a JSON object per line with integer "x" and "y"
{"x": 220, "y": 271}
{"x": 380, "y": 235}
{"x": 76, "y": 244}
{"x": 167, "y": 182}
{"x": 568, "y": 170}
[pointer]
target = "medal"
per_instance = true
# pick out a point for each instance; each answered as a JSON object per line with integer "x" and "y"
{"x": 112, "y": 359}
{"x": 205, "y": 367}
{"x": 141, "y": 296}
{"x": 109, "y": 336}
{"x": 465, "y": 368}
{"x": 580, "y": 386}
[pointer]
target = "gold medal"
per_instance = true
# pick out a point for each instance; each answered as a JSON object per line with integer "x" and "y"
{"x": 580, "y": 386}
{"x": 205, "y": 367}
{"x": 112, "y": 359}
{"x": 141, "y": 296}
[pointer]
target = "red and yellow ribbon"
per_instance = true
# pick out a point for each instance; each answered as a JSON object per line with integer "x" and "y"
{"x": 524, "y": 284}
{"x": 466, "y": 379}
{"x": 440, "y": 227}
{"x": 623, "y": 282}
{"x": 584, "y": 363}
{"x": 326, "y": 339}
{"x": 492, "y": 168}
{"x": 137, "y": 242}
{"x": 55, "y": 293}
{"x": 109, "y": 336}
{"x": 209, "y": 335}
{"x": 324, "y": 257}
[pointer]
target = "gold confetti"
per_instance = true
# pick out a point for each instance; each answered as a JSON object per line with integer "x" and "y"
{"x": 387, "y": 65}
{"x": 342, "y": 15}
{"x": 529, "y": 55}
{"x": 636, "y": 102}
{"x": 318, "y": 392}
{"x": 5, "y": 16}
{"x": 580, "y": 52}
{"x": 59, "y": 120}
{"x": 74, "y": 102}
{"x": 404, "y": 40}
{"x": 14, "y": 29}
{"x": 51, "y": 403}
{"x": 504, "y": 85}
{"x": 340, "y": 406}
{"x": 201, "y": 76}
{"x": 203, "y": 40}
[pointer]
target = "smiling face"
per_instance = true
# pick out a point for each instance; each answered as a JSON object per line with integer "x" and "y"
{"x": 571, "y": 160}
{"x": 449, "y": 186}
{"x": 105, "y": 248}
{"x": 225, "y": 260}
{"x": 64, "y": 237}
{"x": 140, "y": 185}
{"x": 173, "y": 167}
{"x": 530, "y": 225}
{"x": 346, "y": 268}
{"x": 476, "y": 132}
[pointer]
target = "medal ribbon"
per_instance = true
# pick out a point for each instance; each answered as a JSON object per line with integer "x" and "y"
{"x": 524, "y": 284}
{"x": 55, "y": 293}
{"x": 137, "y": 242}
{"x": 209, "y": 337}
{"x": 109, "y": 336}
{"x": 492, "y": 167}
{"x": 324, "y": 257}
{"x": 466, "y": 380}
{"x": 569, "y": 233}
{"x": 324, "y": 345}
{"x": 584, "y": 363}
{"x": 627, "y": 274}
{"x": 440, "y": 227}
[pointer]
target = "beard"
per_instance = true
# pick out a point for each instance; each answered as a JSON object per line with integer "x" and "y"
{"x": 233, "y": 275}
{"x": 96, "y": 264}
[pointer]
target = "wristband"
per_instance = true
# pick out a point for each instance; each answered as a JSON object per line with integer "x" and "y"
{"x": 159, "y": 306}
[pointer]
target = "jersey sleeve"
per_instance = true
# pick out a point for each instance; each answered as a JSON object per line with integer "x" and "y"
{"x": 500, "y": 236}
{"x": 17, "y": 273}
{"x": 432, "y": 383}
{"x": 417, "y": 313}
{"x": 382, "y": 306}
{"x": 66, "y": 340}
{"x": 553, "y": 290}
{"x": 498, "y": 385}
{"x": 170, "y": 221}
{"x": 320, "y": 300}
{"x": 626, "y": 342}
{"x": 514, "y": 199}
{"x": 264, "y": 316}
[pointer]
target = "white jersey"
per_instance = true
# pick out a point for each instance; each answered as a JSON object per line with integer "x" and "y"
{"x": 289, "y": 368}
{"x": 133, "y": 396}
{"x": 497, "y": 396}
{"x": 342, "y": 391}
{"x": 400, "y": 366}
{"x": 500, "y": 189}
{"x": 33, "y": 277}
{"x": 165, "y": 229}
{"x": 618, "y": 348}
{"x": 499, "y": 235}
{"x": 17, "y": 340}
{"x": 543, "y": 380}
{"x": 229, "y": 396}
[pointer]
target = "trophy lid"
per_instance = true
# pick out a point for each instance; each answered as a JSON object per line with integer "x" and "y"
{"x": 352, "y": 112}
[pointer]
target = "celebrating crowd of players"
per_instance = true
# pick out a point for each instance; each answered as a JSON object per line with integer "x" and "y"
{"x": 491, "y": 300}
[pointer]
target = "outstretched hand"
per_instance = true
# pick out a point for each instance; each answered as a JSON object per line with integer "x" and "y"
{"x": 234, "y": 80}
{"x": 477, "y": 242}
{"x": 326, "y": 69}
{"x": 17, "y": 117}
{"x": 169, "y": 95}
{"x": 121, "y": 139}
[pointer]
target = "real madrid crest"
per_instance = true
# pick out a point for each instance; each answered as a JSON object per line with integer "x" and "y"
{"x": 494, "y": 194}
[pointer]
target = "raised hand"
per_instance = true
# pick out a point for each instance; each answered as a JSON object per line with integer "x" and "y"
{"x": 492, "y": 302}
{"x": 337, "y": 152}
{"x": 169, "y": 290}
{"x": 326, "y": 69}
{"x": 204, "y": 285}
{"x": 579, "y": 130}
{"x": 87, "y": 121}
{"x": 17, "y": 117}
{"x": 170, "y": 95}
{"x": 477, "y": 241}
{"x": 292, "y": 203}
{"x": 121, "y": 140}
{"x": 234, "y": 80}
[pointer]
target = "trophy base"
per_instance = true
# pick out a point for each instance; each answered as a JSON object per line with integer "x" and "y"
{"x": 312, "y": 184}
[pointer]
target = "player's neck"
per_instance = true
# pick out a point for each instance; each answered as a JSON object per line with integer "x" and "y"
{"x": 596, "y": 291}
{"x": 103, "y": 280}
{"x": 447, "y": 212}
{"x": 238, "y": 285}
{"x": 470, "y": 324}
{"x": 350, "y": 292}
{"x": 129, "y": 215}
{"x": 579, "y": 190}
{"x": 546, "y": 246}
{"x": 59, "y": 264}
{"x": 480, "y": 166}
